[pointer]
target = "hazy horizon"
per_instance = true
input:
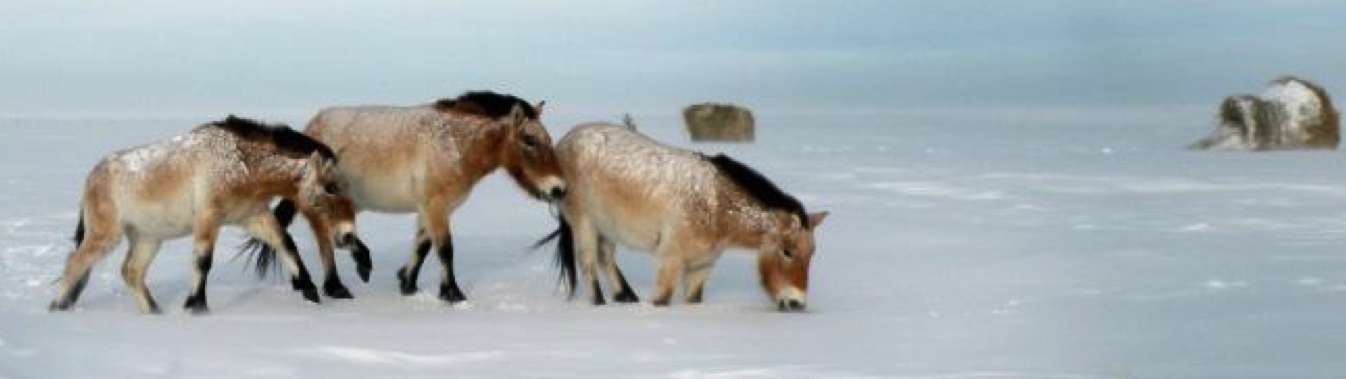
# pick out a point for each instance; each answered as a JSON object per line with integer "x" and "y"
{"x": 147, "y": 57}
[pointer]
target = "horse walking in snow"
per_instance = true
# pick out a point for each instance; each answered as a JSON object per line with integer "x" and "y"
{"x": 685, "y": 207}
{"x": 224, "y": 172}
{"x": 426, "y": 159}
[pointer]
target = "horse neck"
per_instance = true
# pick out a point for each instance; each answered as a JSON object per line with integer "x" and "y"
{"x": 481, "y": 143}
{"x": 743, "y": 220}
{"x": 275, "y": 175}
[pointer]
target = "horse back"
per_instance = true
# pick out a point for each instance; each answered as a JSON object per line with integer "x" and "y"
{"x": 633, "y": 188}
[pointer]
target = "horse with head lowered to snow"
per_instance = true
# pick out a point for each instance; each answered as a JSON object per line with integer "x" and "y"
{"x": 683, "y": 206}
{"x": 425, "y": 159}
{"x": 224, "y": 172}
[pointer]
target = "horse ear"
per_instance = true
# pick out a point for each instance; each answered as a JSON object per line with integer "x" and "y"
{"x": 516, "y": 116}
{"x": 816, "y": 218}
{"x": 538, "y": 108}
{"x": 315, "y": 160}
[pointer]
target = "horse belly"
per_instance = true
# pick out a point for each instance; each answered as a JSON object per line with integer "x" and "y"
{"x": 387, "y": 196}
{"x": 168, "y": 218}
{"x": 634, "y": 231}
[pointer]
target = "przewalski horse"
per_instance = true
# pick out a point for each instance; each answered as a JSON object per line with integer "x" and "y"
{"x": 224, "y": 172}
{"x": 685, "y": 207}
{"x": 426, "y": 159}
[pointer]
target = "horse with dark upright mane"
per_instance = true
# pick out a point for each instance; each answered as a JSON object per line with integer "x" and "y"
{"x": 685, "y": 207}
{"x": 220, "y": 173}
{"x": 425, "y": 159}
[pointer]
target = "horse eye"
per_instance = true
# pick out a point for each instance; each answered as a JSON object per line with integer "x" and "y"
{"x": 787, "y": 253}
{"x": 529, "y": 141}
{"x": 331, "y": 188}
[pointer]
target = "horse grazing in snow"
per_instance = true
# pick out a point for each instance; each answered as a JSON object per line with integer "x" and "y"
{"x": 685, "y": 207}
{"x": 224, "y": 172}
{"x": 426, "y": 159}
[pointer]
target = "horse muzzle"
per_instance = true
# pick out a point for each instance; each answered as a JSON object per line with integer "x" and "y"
{"x": 554, "y": 188}
{"x": 346, "y": 240}
{"x": 791, "y": 300}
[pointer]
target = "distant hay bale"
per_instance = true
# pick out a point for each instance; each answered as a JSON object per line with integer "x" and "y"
{"x": 719, "y": 122}
{"x": 1292, "y": 113}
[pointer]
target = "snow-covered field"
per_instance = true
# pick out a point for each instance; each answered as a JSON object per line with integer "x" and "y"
{"x": 957, "y": 248}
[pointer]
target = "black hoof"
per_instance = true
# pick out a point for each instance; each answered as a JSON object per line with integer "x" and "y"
{"x": 59, "y": 306}
{"x": 307, "y": 288}
{"x": 451, "y": 294}
{"x": 790, "y": 305}
{"x": 363, "y": 271}
{"x": 334, "y": 289}
{"x": 363, "y": 264}
{"x": 625, "y": 297}
{"x": 196, "y": 305}
{"x": 154, "y": 310}
{"x": 312, "y": 295}
{"x": 407, "y": 286}
{"x": 661, "y": 302}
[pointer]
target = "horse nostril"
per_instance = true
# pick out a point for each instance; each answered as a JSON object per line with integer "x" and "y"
{"x": 558, "y": 192}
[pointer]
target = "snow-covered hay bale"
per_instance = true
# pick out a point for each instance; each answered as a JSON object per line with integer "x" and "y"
{"x": 719, "y": 122}
{"x": 1291, "y": 114}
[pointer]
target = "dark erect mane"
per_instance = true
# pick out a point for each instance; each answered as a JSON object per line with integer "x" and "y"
{"x": 757, "y": 186}
{"x": 486, "y": 104}
{"x": 288, "y": 141}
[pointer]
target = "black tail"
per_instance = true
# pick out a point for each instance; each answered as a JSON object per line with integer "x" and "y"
{"x": 79, "y": 229}
{"x": 257, "y": 249}
{"x": 565, "y": 253}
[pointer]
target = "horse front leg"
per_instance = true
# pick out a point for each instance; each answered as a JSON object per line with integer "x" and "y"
{"x": 443, "y": 239}
{"x": 670, "y": 267}
{"x": 607, "y": 251}
{"x": 322, "y": 231}
{"x": 205, "y": 231}
{"x": 437, "y": 227}
{"x": 694, "y": 282}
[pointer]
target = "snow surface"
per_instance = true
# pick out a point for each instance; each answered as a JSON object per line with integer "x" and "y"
{"x": 999, "y": 249}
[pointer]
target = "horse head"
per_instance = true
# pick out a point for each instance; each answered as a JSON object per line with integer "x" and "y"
{"x": 783, "y": 258}
{"x": 320, "y": 183}
{"x": 528, "y": 156}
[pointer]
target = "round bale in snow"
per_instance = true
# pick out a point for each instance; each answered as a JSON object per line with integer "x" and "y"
{"x": 1291, "y": 114}
{"x": 718, "y": 122}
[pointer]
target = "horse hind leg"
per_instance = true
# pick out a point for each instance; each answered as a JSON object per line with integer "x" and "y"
{"x": 100, "y": 238}
{"x": 607, "y": 258}
{"x": 203, "y": 255}
{"x": 586, "y": 240}
{"x": 138, "y": 258}
{"x": 264, "y": 227}
{"x": 410, "y": 272}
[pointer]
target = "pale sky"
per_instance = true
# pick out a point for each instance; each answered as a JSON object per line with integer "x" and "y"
{"x": 178, "y": 57}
